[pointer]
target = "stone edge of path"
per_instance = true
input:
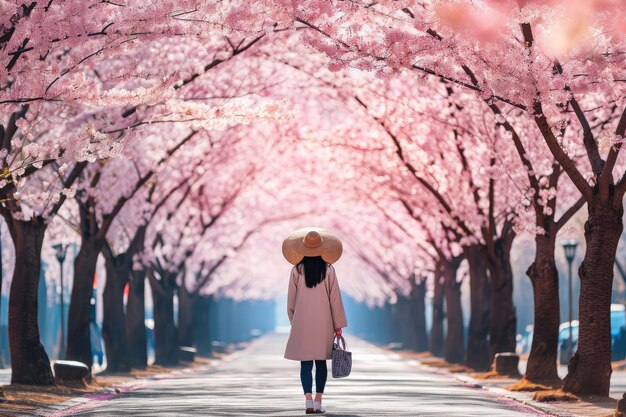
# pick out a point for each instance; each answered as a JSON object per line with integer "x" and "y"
{"x": 95, "y": 399}
{"x": 522, "y": 398}
{"x": 512, "y": 399}
{"x": 500, "y": 394}
{"x": 580, "y": 408}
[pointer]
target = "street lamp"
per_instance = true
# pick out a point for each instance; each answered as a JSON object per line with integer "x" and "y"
{"x": 569, "y": 246}
{"x": 61, "y": 251}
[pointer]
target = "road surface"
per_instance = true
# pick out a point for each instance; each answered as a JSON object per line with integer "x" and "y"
{"x": 257, "y": 381}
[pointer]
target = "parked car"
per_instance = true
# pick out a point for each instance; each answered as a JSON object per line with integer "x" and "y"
{"x": 564, "y": 329}
{"x": 618, "y": 335}
{"x": 618, "y": 332}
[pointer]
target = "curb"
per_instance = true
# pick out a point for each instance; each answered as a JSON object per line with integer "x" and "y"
{"x": 95, "y": 399}
{"x": 516, "y": 397}
{"x": 508, "y": 397}
{"x": 88, "y": 401}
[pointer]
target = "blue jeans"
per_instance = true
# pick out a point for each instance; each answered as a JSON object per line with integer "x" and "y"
{"x": 306, "y": 376}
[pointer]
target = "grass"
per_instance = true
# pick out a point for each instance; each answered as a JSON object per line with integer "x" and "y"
{"x": 24, "y": 399}
{"x": 529, "y": 386}
{"x": 435, "y": 363}
{"x": 556, "y": 395}
{"x": 490, "y": 375}
{"x": 457, "y": 368}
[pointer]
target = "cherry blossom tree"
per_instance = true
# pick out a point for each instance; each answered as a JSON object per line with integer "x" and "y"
{"x": 489, "y": 230}
{"x": 97, "y": 213}
{"x": 126, "y": 349}
{"x": 447, "y": 255}
{"x": 67, "y": 75}
{"x": 398, "y": 260}
{"x": 120, "y": 104}
{"x": 32, "y": 195}
{"x": 391, "y": 139}
{"x": 504, "y": 64}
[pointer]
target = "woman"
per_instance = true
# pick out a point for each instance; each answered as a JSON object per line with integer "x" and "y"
{"x": 314, "y": 307}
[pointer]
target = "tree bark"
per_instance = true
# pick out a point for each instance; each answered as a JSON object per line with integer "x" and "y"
{"x": 29, "y": 362}
{"x": 418, "y": 297}
{"x": 503, "y": 324}
{"x": 396, "y": 328}
{"x": 114, "y": 320}
{"x": 388, "y": 323}
{"x": 589, "y": 370}
{"x": 186, "y": 301}
{"x": 78, "y": 341}
{"x": 455, "y": 346}
{"x": 406, "y": 317}
{"x": 477, "y": 355}
{"x": 165, "y": 332}
{"x": 544, "y": 277}
{"x": 135, "y": 321}
{"x": 436, "y": 331}
{"x": 201, "y": 334}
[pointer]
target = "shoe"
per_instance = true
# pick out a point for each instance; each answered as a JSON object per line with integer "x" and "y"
{"x": 317, "y": 406}
{"x": 309, "y": 407}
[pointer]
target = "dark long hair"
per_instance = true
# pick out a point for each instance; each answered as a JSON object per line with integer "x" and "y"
{"x": 314, "y": 270}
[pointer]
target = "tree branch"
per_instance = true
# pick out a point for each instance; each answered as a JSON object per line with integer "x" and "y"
{"x": 563, "y": 159}
{"x": 67, "y": 183}
{"x": 235, "y": 51}
{"x": 607, "y": 172}
{"x": 591, "y": 147}
{"x": 400, "y": 153}
{"x": 544, "y": 127}
{"x": 569, "y": 213}
{"x": 108, "y": 218}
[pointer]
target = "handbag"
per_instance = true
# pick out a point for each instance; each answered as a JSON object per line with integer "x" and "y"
{"x": 341, "y": 357}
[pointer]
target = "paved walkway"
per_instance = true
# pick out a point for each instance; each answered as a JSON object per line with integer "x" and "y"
{"x": 259, "y": 382}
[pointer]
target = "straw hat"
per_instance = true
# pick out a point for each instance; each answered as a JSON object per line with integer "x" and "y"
{"x": 312, "y": 241}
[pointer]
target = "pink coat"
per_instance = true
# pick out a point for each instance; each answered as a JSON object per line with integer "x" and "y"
{"x": 314, "y": 314}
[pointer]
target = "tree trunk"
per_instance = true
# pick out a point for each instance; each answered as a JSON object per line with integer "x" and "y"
{"x": 544, "y": 277}
{"x": 165, "y": 332}
{"x": 455, "y": 346}
{"x": 135, "y": 321}
{"x": 396, "y": 329}
{"x": 418, "y": 297}
{"x": 185, "y": 316}
{"x": 114, "y": 320}
{"x": 201, "y": 335}
{"x": 436, "y": 331}
{"x": 503, "y": 325}
{"x": 29, "y": 362}
{"x": 78, "y": 342}
{"x": 409, "y": 335}
{"x": 477, "y": 356}
{"x": 589, "y": 370}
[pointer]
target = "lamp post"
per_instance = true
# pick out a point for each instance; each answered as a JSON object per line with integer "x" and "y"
{"x": 569, "y": 247}
{"x": 61, "y": 251}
